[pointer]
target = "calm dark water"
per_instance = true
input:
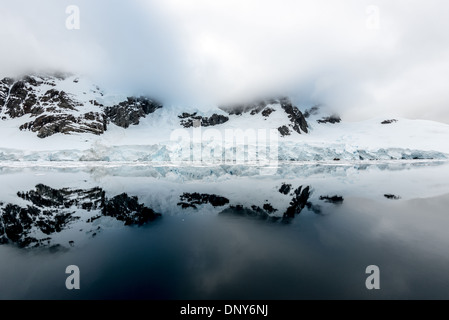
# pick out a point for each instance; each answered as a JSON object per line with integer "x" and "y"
{"x": 158, "y": 233}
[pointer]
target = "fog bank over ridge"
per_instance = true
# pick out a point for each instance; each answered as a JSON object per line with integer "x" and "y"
{"x": 362, "y": 58}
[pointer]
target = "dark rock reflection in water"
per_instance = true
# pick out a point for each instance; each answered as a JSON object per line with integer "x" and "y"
{"x": 213, "y": 240}
{"x": 51, "y": 211}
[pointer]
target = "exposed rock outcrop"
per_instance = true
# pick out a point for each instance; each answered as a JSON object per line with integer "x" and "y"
{"x": 47, "y": 125}
{"x": 297, "y": 123}
{"x": 297, "y": 119}
{"x": 253, "y": 108}
{"x": 284, "y": 131}
{"x": 189, "y": 120}
{"x": 389, "y": 121}
{"x": 56, "y": 111}
{"x": 129, "y": 112}
{"x": 331, "y": 119}
{"x": 267, "y": 111}
{"x": 57, "y": 104}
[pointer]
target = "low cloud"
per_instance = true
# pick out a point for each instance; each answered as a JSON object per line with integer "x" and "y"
{"x": 360, "y": 58}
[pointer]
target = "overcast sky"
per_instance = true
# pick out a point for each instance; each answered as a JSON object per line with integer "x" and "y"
{"x": 360, "y": 58}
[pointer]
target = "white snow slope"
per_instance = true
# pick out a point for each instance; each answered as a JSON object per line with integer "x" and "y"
{"x": 156, "y": 138}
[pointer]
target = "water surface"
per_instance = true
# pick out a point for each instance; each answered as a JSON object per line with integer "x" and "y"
{"x": 304, "y": 232}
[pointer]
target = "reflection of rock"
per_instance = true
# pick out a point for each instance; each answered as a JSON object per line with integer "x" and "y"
{"x": 299, "y": 201}
{"x": 392, "y": 197}
{"x": 5, "y": 84}
{"x": 314, "y": 208}
{"x": 194, "y": 199}
{"x": 254, "y": 212}
{"x": 53, "y": 210}
{"x": 269, "y": 208}
{"x": 44, "y": 196}
{"x": 17, "y": 223}
{"x": 285, "y": 188}
{"x": 128, "y": 209}
{"x": 334, "y": 199}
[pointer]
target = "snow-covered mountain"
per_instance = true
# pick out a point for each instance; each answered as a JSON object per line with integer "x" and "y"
{"x": 57, "y": 121}
{"x": 69, "y": 118}
{"x": 66, "y": 104}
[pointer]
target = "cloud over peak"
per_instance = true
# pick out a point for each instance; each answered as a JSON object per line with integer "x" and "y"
{"x": 362, "y": 58}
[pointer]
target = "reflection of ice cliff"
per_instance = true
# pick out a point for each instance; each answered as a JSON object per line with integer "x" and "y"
{"x": 281, "y": 169}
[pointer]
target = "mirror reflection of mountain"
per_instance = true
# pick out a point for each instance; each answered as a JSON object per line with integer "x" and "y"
{"x": 299, "y": 201}
{"x": 70, "y": 205}
{"x": 50, "y": 211}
